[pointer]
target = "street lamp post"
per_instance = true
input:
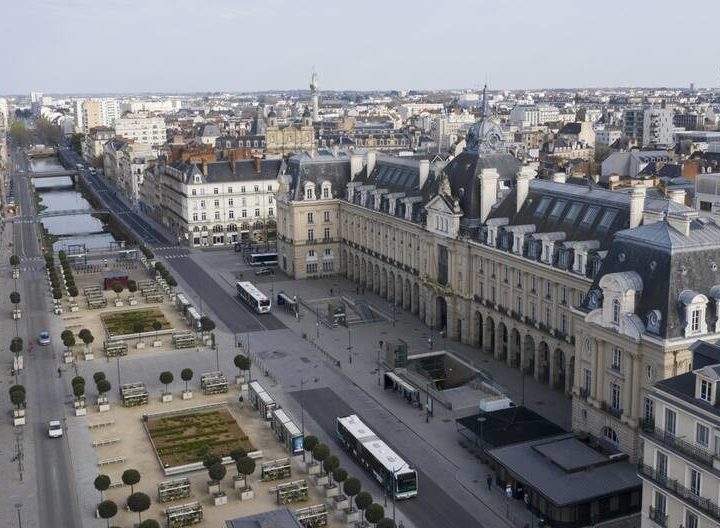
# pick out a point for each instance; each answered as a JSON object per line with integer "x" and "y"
{"x": 317, "y": 323}
{"x": 18, "y": 507}
{"x": 480, "y": 421}
{"x": 349, "y": 345}
{"x": 217, "y": 356}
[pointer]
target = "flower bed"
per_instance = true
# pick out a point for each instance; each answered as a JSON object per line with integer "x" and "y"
{"x": 123, "y": 323}
{"x": 184, "y": 438}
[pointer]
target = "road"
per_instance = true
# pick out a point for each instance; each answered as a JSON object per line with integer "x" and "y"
{"x": 57, "y": 492}
{"x": 432, "y": 507}
{"x": 235, "y": 315}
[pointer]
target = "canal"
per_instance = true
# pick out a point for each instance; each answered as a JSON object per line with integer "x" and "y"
{"x": 78, "y": 231}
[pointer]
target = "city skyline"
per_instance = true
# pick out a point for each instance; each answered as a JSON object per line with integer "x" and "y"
{"x": 187, "y": 47}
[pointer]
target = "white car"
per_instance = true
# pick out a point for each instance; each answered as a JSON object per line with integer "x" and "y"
{"x": 55, "y": 429}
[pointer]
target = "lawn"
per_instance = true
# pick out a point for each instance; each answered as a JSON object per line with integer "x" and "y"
{"x": 185, "y": 438}
{"x": 123, "y": 323}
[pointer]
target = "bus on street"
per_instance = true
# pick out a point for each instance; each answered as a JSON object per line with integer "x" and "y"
{"x": 386, "y": 466}
{"x": 253, "y": 297}
{"x": 263, "y": 259}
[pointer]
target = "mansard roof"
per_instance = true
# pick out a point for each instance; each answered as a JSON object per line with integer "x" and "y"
{"x": 317, "y": 167}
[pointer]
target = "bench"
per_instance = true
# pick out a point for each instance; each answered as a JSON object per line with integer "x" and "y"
{"x": 113, "y": 460}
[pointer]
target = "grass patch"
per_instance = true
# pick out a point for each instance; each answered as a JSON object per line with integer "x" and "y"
{"x": 123, "y": 323}
{"x": 186, "y": 438}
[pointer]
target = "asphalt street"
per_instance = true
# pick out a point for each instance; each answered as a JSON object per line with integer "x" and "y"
{"x": 432, "y": 507}
{"x": 235, "y": 315}
{"x": 57, "y": 491}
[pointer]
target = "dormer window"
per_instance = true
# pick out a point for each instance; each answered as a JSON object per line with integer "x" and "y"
{"x": 616, "y": 312}
{"x": 309, "y": 191}
{"x": 325, "y": 189}
{"x": 705, "y": 391}
{"x": 694, "y": 305}
{"x": 695, "y": 320}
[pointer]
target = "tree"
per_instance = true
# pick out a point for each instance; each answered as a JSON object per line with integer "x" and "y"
{"x": 166, "y": 378}
{"x": 309, "y": 444}
{"x": 207, "y": 324}
{"x": 157, "y": 326}
{"x": 15, "y": 298}
{"x": 19, "y": 134}
{"x": 79, "y": 390}
{"x": 130, "y": 477}
{"x": 103, "y": 387}
{"x": 76, "y": 141}
{"x": 99, "y": 375}
{"x": 149, "y": 523}
{"x": 321, "y": 452}
{"x": 48, "y": 132}
{"x": 77, "y": 380}
{"x": 339, "y": 475}
{"x": 14, "y": 261}
{"x": 69, "y": 341}
{"x": 386, "y": 523}
{"x": 138, "y": 503}
{"x": 238, "y": 453}
{"x": 73, "y": 291}
{"x": 245, "y": 467}
{"x": 87, "y": 338}
{"x": 102, "y": 484}
{"x": 210, "y": 459}
{"x": 16, "y": 345}
{"x": 363, "y": 500}
{"x": 132, "y": 286}
{"x": 352, "y": 487}
{"x": 331, "y": 464}
{"x": 17, "y": 396}
{"x": 107, "y": 510}
{"x": 56, "y": 294}
{"x": 242, "y": 363}
{"x": 138, "y": 328}
{"x": 374, "y": 513}
{"x": 186, "y": 375}
{"x": 117, "y": 288}
{"x": 217, "y": 472}
{"x": 171, "y": 282}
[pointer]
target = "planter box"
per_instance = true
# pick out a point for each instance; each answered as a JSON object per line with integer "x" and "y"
{"x": 340, "y": 502}
{"x": 18, "y": 363}
{"x": 18, "y": 413}
{"x": 321, "y": 480}
{"x": 67, "y": 357}
{"x": 312, "y": 468}
{"x": 187, "y": 395}
{"x": 351, "y": 516}
{"x": 213, "y": 487}
{"x": 238, "y": 482}
{"x": 140, "y": 345}
{"x": 219, "y": 499}
{"x": 103, "y": 407}
{"x": 157, "y": 343}
{"x": 132, "y": 302}
{"x": 19, "y": 421}
{"x": 118, "y": 304}
{"x": 247, "y": 494}
{"x": 80, "y": 411}
{"x": 89, "y": 356}
{"x": 239, "y": 380}
{"x": 17, "y": 314}
{"x": 74, "y": 308}
{"x": 58, "y": 310}
{"x": 15, "y": 273}
{"x": 331, "y": 491}
{"x": 166, "y": 397}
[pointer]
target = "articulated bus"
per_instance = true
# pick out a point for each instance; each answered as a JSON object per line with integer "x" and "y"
{"x": 263, "y": 259}
{"x": 391, "y": 471}
{"x": 253, "y": 297}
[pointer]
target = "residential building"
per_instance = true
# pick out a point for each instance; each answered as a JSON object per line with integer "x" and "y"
{"x": 681, "y": 450}
{"x": 657, "y": 127}
{"x": 4, "y": 114}
{"x": 142, "y": 128}
{"x": 707, "y": 193}
{"x": 631, "y": 164}
{"x": 578, "y": 132}
{"x": 606, "y": 137}
{"x": 213, "y": 203}
{"x": 99, "y": 112}
{"x": 95, "y": 139}
{"x": 592, "y": 291}
{"x": 446, "y": 130}
{"x": 690, "y": 120}
{"x": 633, "y": 123}
{"x": 125, "y": 162}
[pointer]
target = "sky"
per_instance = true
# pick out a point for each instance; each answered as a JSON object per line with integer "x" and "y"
{"x": 177, "y": 46}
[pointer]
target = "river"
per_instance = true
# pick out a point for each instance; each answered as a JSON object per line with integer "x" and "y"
{"x": 58, "y": 193}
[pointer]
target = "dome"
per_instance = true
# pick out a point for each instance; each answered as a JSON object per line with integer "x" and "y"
{"x": 272, "y": 113}
{"x": 306, "y": 113}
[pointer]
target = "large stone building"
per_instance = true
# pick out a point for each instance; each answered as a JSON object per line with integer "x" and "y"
{"x": 289, "y": 138}
{"x": 213, "y": 203}
{"x": 142, "y": 128}
{"x": 125, "y": 162}
{"x": 597, "y": 293}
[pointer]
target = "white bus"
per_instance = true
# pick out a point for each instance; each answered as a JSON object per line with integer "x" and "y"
{"x": 391, "y": 471}
{"x": 253, "y": 297}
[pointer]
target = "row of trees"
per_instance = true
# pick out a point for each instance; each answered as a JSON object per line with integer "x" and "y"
{"x": 216, "y": 470}
{"x": 68, "y": 274}
{"x": 137, "y": 502}
{"x": 165, "y": 274}
{"x": 372, "y": 512}
{"x": 68, "y": 338}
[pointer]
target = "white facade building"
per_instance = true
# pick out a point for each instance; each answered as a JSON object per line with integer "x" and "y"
{"x": 142, "y": 128}
{"x": 4, "y": 114}
{"x": 605, "y": 138}
{"x": 657, "y": 127}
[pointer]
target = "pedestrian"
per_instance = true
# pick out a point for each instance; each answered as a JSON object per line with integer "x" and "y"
{"x": 330, "y": 292}
{"x": 430, "y": 343}
{"x": 59, "y": 373}
{"x": 489, "y": 482}
{"x": 357, "y": 290}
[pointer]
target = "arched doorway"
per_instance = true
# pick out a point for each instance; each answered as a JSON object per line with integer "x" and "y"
{"x": 398, "y": 291}
{"x": 558, "y": 381}
{"x": 391, "y": 287}
{"x": 406, "y": 295}
{"x": 357, "y": 269}
{"x": 376, "y": 279}
{"x": 440, "y": 313}
{"x": 369, "y": 278}
{"x": 363, "y": 272}
{"x": 383, "y": 283}
{"x": 415, "y": 304}
{"x": 529, "y": 353}
{"x": 543, "y": 372}
{"x": 515, "y": 353}
{"x": 570, "y": 376}
{"x": 478, "y": 342}
{"x": 489, "y": 335}
{"x": 503, "y": 337}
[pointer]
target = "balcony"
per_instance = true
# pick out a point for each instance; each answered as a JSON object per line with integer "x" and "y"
{"x": 682, "y": 447}
{"x": 660, "y": 479}
{"x": 612, "y": 411}
{"x": 658, "y": 517}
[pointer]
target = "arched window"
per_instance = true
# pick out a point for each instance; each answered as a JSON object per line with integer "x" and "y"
{"x": 217, "y": 229}
{"x": 610, "y": 434}
{"x": 616, "y": 311}
{"x": 232, "y": 227}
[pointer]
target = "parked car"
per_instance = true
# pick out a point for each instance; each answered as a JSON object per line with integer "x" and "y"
{"x": 55, "y": 430}
{"x": 264, "y": 271}
{"x": 44, "y": 338}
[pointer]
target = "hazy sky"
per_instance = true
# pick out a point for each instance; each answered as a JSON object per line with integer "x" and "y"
{"x": 237, "y": 45}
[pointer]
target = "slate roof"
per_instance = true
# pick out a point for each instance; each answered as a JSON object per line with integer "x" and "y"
{"x": 395, "y": 174}
{"x": 683, "y": 387}
{"x": 245, "y": 170}
{"x": 571, "y": 128}
{"x": 321, "y": 166}
{"x": 271, "y": 519}
{"x": 565, "y": 470}
{"x": 510, "y": 426}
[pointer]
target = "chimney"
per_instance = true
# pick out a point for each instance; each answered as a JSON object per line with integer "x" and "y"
{"x": 526, "y": 174}
{"x": 676, "y": 195}
{"x": 488, "y": 191}
{"x": 204, "y": 167}
{"x": 637, "y": 204}
{"x": 650, "y": 217}
{"x": 423, "y": 172}
{"x": 371, "y": 158}
{"x": 356, "y": 165}
{"x": 681, "y": 221}
{"x": 257, "y": 165}
{"x": 559, "y": 177}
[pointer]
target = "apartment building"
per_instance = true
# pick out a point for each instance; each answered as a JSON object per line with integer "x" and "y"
{"x": 99, "y": 112}
{"x": 125, "y": 162}
{"x": 681, "y": 449}
{"x": 213, "y": 203}
{"x": 142, "y": 128}
{"x": 658, "y": 127}
{"x": 597, "y": 293}
{"x": 94, "y": 144}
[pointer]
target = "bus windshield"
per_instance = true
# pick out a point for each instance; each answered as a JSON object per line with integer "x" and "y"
{"x": 265, "y": 302}
{"x": 406, "y": 482}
